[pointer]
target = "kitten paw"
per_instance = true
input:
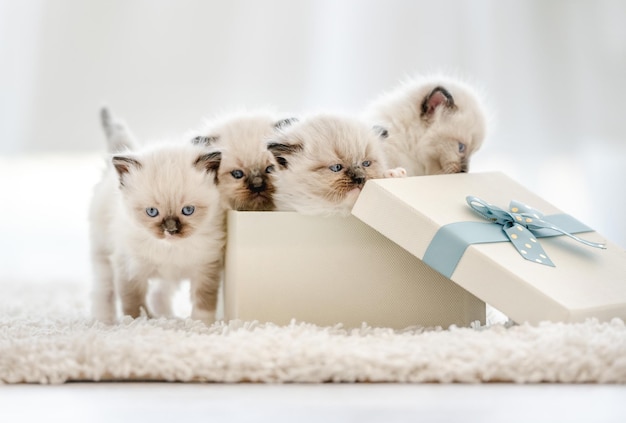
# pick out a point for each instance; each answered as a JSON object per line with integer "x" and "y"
{"x": 208, "y": 317}
{"x": 398, "y": 172}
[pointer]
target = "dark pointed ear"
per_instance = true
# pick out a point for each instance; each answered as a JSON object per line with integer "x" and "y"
{"x": 205, "y": 140}
{"x": 381, "y": 131}
{"x": 284, "y": 123}
{"x": 280, "y": 150}
{"x": 209, "y": 162}
{"x": 123, "y": 165}
{"x": 439, "y": 96}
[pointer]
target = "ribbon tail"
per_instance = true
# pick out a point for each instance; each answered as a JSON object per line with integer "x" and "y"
{"x": 527, "y": 245}
{"x": 583, "y": 241}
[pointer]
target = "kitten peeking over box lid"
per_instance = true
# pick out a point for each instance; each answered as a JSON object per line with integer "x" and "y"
{"x": 529, "y": 276}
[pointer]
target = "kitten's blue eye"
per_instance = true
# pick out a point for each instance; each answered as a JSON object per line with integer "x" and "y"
{"x": 366, "y": 163}
{"x": 269, "y": 169}
{"x": 188, "y": 210}
{"x": 335, "y": 167}
{"x": 237, "y": 174}
{"x": 461, "y": 147}
{"x": 152, "y": 212}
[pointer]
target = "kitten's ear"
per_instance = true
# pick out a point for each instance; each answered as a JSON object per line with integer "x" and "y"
{"x": 284, "y": 123}
{"x": 280, "y": 150}
{"x": 123, "y": 165}
{"x": 209, "y": 162}
{"x": 381, "y": 131}
{"x": 205, "y": 140}
{"x": 438, "y": 97}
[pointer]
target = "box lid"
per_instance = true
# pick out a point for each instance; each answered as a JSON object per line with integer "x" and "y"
{"x": 584, "y": 282}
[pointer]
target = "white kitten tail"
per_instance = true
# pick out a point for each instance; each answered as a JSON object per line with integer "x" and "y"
{"x": 118, "y": 135}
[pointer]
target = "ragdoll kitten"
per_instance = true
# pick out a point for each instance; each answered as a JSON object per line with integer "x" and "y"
{"x": 324, "y": 162}
{"x": 156, "y": 216}
{"x": 245, "y": 176}
{"x": 118, "y": 135}
{"x": 433, "y": 125}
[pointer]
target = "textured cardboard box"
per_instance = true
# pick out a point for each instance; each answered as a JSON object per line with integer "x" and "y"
{"x": 585, "y": 282}
{"x": 328, "y": 270}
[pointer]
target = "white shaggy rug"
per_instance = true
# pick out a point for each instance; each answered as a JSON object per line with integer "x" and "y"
{"x": 46, "y": 336}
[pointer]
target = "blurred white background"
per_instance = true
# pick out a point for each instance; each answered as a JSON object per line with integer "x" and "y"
{"x": 553, "y": 72}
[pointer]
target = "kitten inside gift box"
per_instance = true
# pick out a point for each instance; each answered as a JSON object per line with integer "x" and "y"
{"x": 158, "y": 216}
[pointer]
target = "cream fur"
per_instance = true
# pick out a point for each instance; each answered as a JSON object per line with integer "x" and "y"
{"x": 430, "y": 146}
{"x": 129, "y": 248}
{"x": 306, "y": 184}
{"x": 242, "y": 138}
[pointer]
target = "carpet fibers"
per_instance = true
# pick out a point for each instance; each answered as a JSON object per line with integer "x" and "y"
{"x": 46, "y": 336}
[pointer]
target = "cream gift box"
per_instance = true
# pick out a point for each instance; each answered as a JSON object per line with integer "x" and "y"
{"x": 584, "y": 282}
{"x": 328, "y": 270}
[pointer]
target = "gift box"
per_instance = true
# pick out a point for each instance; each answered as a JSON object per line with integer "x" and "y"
{"x": 281, "y": 266}
{"x": 504, "y": 244}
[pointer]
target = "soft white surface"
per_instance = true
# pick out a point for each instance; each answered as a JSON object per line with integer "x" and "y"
{"x": 46, "y": 336}
{"x": 304, "y": 403}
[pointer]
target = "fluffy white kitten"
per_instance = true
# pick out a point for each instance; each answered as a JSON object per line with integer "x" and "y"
{"x": 156, "y": 216}
{"x": 433, "y": 125}
{"x": 324, "y": 162}
{"x": 245, "y": 177}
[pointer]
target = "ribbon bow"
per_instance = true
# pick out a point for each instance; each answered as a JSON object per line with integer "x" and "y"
{"x": 521, "y": 225}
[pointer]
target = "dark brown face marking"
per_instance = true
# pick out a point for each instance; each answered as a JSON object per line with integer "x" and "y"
{"x": 256, "y": 181}
{"x": 437, "y": 97}
{"x": 464, "y": 165}
{"x": 357, "y": 175}
{"x": 171, "y": 224}
{"x": 255, "y": 192}
{"x": 171, "y": 227}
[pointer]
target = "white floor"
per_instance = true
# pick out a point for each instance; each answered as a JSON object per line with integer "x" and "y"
{"x": 327, "y": 403}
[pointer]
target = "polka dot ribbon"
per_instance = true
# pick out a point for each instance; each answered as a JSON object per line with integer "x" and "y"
{"x": 519, "y": 224}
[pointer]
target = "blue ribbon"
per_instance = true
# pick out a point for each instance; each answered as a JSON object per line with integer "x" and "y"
{"x": 521, "y": 226}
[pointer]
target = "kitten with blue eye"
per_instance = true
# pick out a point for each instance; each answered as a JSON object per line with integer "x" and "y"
{"x": 433, "y": 125}
{"x": 324, "y": 162}
{"x": 245, "y": 177}
{"x": 156, "y": 216}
